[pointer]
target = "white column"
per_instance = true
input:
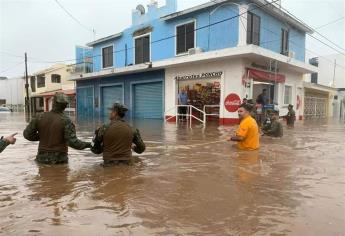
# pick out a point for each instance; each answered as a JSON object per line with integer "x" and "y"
{"x": 242, "y": 29}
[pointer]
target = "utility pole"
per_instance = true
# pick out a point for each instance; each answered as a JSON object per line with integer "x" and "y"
{"x": 27, "y": 99}
{"x": 335, "y": 65}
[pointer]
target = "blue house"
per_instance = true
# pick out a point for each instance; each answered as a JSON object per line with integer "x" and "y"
{"x": 213, "y": 50}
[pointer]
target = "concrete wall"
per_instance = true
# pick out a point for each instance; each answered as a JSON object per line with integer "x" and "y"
{"x": 12, "y": 90}
{"x": 65, "y": 84}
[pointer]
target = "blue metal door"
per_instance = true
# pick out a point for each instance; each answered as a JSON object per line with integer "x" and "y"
{"x": 110, "y": 95}
{"x": 85, "y": 109}
{"x": 148, "y": 100}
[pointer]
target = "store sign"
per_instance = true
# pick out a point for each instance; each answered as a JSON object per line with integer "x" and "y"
{"x": 232, "y": 102}
{"x": 206, "y": 75}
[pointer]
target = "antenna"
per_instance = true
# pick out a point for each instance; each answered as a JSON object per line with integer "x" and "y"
{"x": 141, "y": 9}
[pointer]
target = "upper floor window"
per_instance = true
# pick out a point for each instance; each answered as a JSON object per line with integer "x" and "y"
{"x": 33, "y": 83}
{"x": 284, "y": 48}
{"x": 142, "y": 49}
{"x": 253, "y": 29}
{"x": 107, "y": 56}
{"x": 185, "y": 37}
{"x": 41, "y": 81}
{"x": 56, "y": 78}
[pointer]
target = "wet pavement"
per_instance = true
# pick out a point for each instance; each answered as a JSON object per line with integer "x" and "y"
{"x": 188, "y": 182}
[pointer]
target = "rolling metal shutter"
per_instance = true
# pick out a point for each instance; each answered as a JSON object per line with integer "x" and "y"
{"x": 148, "y": 100}
{"x": 85, "y": 103}
{"x": 110, "y": 95}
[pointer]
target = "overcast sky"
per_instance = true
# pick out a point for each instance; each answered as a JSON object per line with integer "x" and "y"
{"x": 43, "y": 30}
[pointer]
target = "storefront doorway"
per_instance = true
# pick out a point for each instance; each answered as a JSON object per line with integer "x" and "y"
{"x": 259, "y": 86}
{"x": 203, "y": 94}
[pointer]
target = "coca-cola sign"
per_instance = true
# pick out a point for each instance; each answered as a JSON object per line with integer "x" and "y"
{"x": 232, "y": 102}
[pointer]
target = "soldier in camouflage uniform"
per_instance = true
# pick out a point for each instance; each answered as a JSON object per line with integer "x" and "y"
{"x": 55, "y": 132}
{"x": 115, "y": 139}
{"x": 275, "y": 128}
{"x": 4, "y": 142}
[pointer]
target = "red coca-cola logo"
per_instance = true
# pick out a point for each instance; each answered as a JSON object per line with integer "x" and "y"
{"x": 232, "y": 102}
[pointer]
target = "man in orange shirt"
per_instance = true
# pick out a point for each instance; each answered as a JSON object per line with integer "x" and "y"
{"x": 247, "y": 135}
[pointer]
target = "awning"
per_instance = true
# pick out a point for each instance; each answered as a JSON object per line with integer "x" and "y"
{"x": 263, "y": 76}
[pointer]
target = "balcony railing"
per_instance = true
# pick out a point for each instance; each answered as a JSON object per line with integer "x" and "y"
{"x": 81, "y": 68}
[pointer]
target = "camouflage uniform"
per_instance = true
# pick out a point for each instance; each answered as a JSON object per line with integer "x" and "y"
{"x": 54, "y": 139}
{"x": 291, "y": 117}
{"x": 3, "y": 145}
{"x": 114, "y": 140}
{"x": 274, "y": 130}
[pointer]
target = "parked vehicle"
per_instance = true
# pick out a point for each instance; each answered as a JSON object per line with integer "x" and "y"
{"x": 5, "y": 110}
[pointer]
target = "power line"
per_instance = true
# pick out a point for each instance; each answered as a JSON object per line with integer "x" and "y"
{"x": 173, "y": 36}
{"x": 296, "y": 18}
{"x": 332, "y": 22}
{"x": 12, "y": 67}
{"x": 74, "y": 18}
{"x": 169, "y": 37}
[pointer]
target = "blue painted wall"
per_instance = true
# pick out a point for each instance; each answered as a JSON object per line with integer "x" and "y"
{"x": 270, "y": 34}
{"x": 127, "y": 80}
{"x": 82, "y": 53}
{"x": 223, "y": 35}
{"x": 219, "y": 36}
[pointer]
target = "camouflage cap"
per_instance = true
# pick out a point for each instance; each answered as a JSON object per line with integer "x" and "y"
{"x": 60, "y": 98}
{"x": 118, "y": 107}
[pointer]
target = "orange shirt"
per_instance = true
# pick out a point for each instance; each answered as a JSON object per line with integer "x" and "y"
{"x": 250, "y": 132}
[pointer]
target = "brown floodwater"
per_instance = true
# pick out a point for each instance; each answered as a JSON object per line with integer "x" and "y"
{"x": 188, "y": 182}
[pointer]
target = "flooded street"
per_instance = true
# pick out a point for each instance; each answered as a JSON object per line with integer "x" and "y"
{"x": 188, "y": 182}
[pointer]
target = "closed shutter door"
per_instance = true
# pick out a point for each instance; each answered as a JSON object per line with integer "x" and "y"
{"x": 148, "y": 100}
{"x": 110, "y": 95}
{"x": 85, "y": 103}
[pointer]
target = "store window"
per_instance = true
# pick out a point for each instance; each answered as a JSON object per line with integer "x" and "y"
{"x": 142, "y": 49}
{"x": 56, "y": 78}
{"x": 253, "y": 29}
{"x": 185, "y": 37}
{"x": 287, "y": 94}
{"x": 202, "y": 93}
{"x": 41, "y": 81}
{"x": 107, "y": 57}
{"x": 284, "y": 47}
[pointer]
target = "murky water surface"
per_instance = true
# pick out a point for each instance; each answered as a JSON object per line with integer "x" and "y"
{"x": 189, "y": 182}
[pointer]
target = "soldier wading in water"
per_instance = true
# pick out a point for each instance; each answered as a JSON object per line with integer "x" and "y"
{"x": 55, "y": 132}
{"x": 115, "y": 139}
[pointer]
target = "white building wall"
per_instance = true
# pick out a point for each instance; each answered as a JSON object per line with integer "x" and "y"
{"x": 231, "y": 82}
{"x": 331, "y": 71}
{"x": 12, "y": 90}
